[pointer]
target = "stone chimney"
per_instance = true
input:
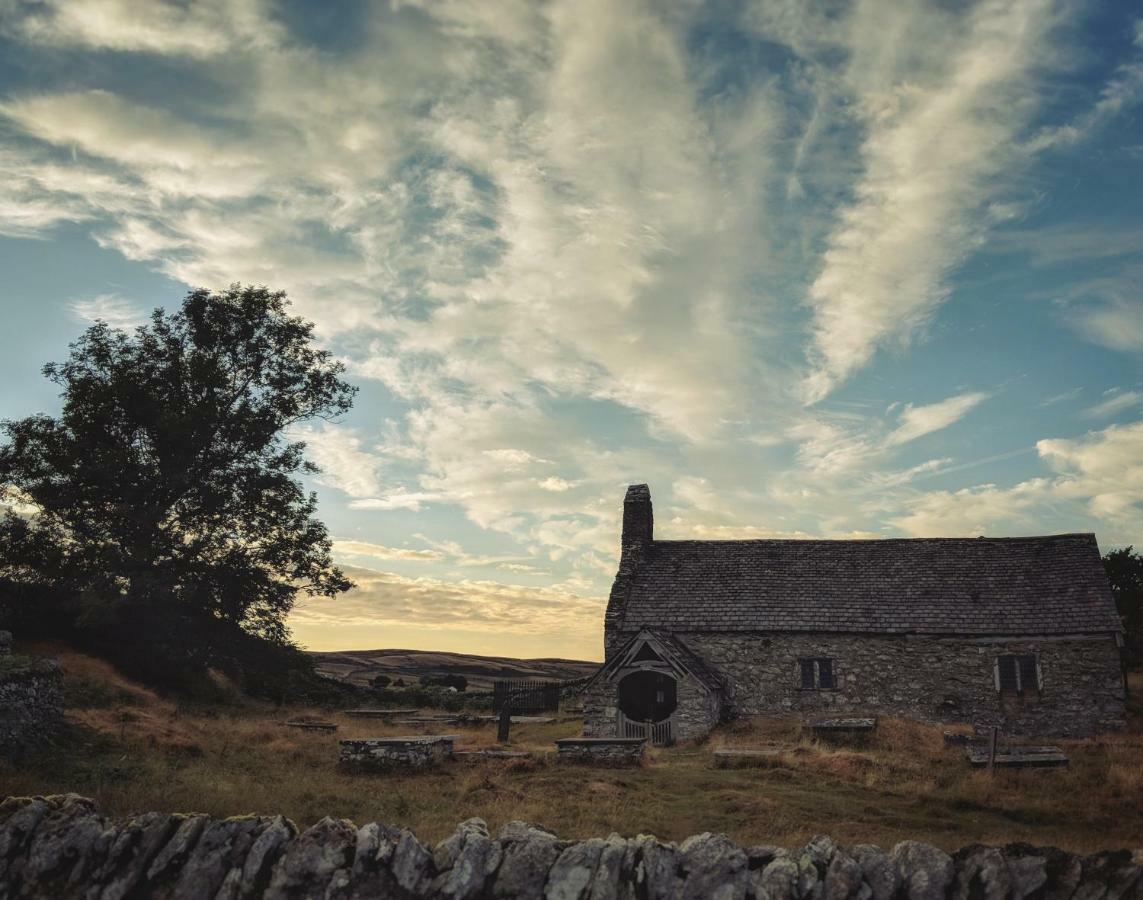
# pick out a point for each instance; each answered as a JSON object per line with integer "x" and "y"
{"x": 638, "y": 520}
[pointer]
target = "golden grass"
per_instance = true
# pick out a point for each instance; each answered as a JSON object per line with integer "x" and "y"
{"x": 900, "y": 783}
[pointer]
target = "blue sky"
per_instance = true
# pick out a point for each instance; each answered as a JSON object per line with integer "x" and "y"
{"x": 809, "y": 269}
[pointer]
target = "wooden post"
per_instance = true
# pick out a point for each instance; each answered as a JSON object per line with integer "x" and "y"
{"x": 505, "y": 722}
{"x": 992, "y": 750}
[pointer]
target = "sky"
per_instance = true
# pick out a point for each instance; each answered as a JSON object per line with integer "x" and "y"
{"x": 838, "y": 269}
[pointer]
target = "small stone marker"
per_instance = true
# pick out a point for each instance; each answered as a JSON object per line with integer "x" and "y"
{"x": 601, "y": 751}
{"x": 387, "y": 754}
{"x": 838, "y": 726}
{"x": 312, "y": 726}
{"x": 380, "y": 713}
{"x": 734, "y": 757}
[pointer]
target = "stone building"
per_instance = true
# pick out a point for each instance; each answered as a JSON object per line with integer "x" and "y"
{"x": 1019, "y": 633}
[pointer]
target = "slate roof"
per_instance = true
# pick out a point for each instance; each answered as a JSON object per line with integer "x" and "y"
{"x": 968, "y": 586}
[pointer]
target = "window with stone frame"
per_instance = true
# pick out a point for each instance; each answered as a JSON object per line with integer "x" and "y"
{"x": 817, "y": 674}
{"x": 1018, "y": 673}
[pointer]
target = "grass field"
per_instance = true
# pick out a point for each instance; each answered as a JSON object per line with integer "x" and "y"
{"x": 132, "y": 751}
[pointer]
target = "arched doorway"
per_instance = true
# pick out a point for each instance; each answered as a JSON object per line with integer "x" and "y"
{"x": 648, "y": 696}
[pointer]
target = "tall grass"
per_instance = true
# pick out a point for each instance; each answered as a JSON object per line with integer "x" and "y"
{"x": 902, "y": 782}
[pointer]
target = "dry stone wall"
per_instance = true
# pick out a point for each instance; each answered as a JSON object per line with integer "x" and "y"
{"x": 61, "y": 847}
{"x": 31, "y": 703}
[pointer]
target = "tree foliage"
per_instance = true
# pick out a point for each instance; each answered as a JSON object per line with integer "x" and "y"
{"x": 1125, "y": 572}
{"x": 166, "y": 506}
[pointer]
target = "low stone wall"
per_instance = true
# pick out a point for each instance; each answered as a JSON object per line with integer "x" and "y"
{"x": 385, "y": 754}
{"x": 31, "y": 702}
{"x": 601, "y": 751}
{"x": 61, "y": 847}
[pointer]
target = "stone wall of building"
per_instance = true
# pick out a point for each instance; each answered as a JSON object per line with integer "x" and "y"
{"x": 932, "y": 679}
{"x": 31, "y": 702}
{"x": 697, "y": 712}
{"x": 62, "y": 847}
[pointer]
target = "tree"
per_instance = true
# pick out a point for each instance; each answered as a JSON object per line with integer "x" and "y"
{"x": 167, "y": 513}
{"x": 380, "y": 682}
{"x": 1125, "y": 572}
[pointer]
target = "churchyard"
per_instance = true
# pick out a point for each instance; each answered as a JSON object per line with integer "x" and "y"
{"x": 133, "y": 750}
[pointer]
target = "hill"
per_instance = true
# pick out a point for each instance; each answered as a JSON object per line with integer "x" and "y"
{"x": 359, "y": 667}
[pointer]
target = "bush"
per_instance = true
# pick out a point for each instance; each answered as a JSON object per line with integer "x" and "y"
{"x": 454, "y": 681}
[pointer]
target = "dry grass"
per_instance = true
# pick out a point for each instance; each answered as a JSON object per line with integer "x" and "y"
{"x": 900, "y": 783}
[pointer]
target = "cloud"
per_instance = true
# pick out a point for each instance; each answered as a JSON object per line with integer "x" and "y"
{"x": 110, "y": 308}
{"x": 1098, "y": 481}
{"x": 940, "y": 138}
{"x": 380, "y": 551}
{"x": 1116, "y": 322}
{"x": 917, "y": 421}
{"x": 381, "y": 598}
{"x": 344, "y": 464}
{"x": 398, "y": 499}
{"x": 201, "y": 29}
{"x": 1116, "y": 402}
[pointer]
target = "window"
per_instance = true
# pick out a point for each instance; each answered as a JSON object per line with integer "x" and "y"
{"x": 817, "y": 674}
{"x": 1017, "y": 673}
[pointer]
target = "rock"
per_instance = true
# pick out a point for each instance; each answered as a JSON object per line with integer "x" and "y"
{"x": 777, "y": 881}
{"x": 926, "y": 872}
{"x": 264, "y": 854}
{"x": 656, "y": 869}
{"x": 605, "y": 881}
{"x": 1107, "y": 876}
{"x": 879, "y": 872}
{"x": 169, "y": 861}
{"x": 714, "y": 868}
{"x": 528, "y": 855}
{"x": 981, "y": 874}
{"x": 571, "y": 874}
{"x": 132, "y": 850}
{"x": 217, "y": 858}
{"x": 21, "y": 818}
{"x": 411, "y": 865}
{"x": 760, "y": 855}
{"x": 318, "y": 859}
{"x": 464, "y": 861}
{"x": 66, "y": 847}
{"x": 370, "y": 875}
{"x": 844, "y": 879}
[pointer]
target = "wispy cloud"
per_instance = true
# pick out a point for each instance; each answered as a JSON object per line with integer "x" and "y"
{"x": 1116, "y": 402}
{"x": 110, "y": 308}
{"x": 917, "y": 421}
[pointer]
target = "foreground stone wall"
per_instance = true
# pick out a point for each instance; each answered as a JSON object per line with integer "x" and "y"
{"x": 61, "y": 847}
{"x": 31, "y": 703}
{"x": 932, "y": 679}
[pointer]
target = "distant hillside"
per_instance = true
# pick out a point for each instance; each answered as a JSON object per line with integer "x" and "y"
{"x": 360, "y": 666}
